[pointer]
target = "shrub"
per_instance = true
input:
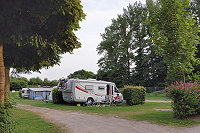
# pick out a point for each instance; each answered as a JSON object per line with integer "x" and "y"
{"x": 186, "y": 98}
{"x": 20, "y": 93}
{"x": 6, "y": 122}
{"x": 57, "y": 96}
{"x": 134, "y": 94}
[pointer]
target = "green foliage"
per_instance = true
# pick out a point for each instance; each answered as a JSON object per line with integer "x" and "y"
{"x": 82, "y": 74}
{"x": 18, "y": 83}
{"x": 35, "y": 81}
{"x": 6, "y": 122}
{"x": 186, "y": 99}
{"x": 117, "y": 45}
{"x": 41, "y": 31}
{"x": 20, "y": 93}
{"x": 150, "y": 70}
{"x": 126, "y": 42}
{"x": 174, "y": 34}
{"x": 134, "y": 94}
{"x": 194, "y": 77}
{"x": 57, "y": 96}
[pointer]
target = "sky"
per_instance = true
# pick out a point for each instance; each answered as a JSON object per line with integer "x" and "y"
{"x": 99, "y": 14}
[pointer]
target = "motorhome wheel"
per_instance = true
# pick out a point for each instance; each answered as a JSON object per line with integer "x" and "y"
{"x": 90, "y": 101}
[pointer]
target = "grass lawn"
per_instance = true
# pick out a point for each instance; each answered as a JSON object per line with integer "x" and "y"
{"x": 156, "y": 96}
{"x": 27, "y": 122}
{"x": 138, "y": 112}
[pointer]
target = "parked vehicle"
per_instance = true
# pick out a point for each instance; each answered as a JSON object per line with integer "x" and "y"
{"x": 40, "y": 93}
{"x": 88, "y": 91}
{"x": 25, "y": 92}
{"x": 37, "y": 93}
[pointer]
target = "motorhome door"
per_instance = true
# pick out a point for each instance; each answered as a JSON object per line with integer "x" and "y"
{"x": 109, "y": 90}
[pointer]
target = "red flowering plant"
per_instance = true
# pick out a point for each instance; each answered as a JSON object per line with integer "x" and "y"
{"x": 185, "y": 97}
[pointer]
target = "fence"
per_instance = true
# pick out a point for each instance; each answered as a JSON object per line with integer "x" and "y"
{"x": 153, "y": 89}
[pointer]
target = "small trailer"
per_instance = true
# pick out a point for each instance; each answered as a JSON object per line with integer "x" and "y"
{"x": 40, "y": 93}
{"x": 25, "y": 93}
{"x": 37, "y": 93}
{"x": 88, "y": 91}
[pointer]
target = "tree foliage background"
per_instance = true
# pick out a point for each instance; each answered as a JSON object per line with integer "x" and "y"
{"x": 19, "y": 83}
{"x": 128, "y": 55}
{"x": 148, "y": 43}
{"x": 174, "y": 34}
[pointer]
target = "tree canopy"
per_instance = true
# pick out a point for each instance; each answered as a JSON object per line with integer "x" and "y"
{"x": 175, "y": 35}
{"x": 82, "y": 74}
{"x": 128, "y": 56}
{"x": 35, "y": 33}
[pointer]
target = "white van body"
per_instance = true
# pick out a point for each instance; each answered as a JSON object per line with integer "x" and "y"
{"x": 25, "y": 92}
{"x": 81, "y": 91}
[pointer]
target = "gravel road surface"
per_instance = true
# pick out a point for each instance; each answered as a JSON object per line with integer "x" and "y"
{"x": 79, "y": 122}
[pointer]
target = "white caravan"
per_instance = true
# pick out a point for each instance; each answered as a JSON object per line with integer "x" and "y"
{"x": 87, "y": 91}
{"x": 25, "y": 93}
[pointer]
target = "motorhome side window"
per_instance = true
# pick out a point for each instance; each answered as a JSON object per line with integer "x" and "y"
{"x": 89, "y": 87}
{"x": 38, "y": 93}
{"x": 101, "y": 87}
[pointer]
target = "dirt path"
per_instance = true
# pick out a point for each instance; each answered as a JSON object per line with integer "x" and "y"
{"x": 77, "y": 122}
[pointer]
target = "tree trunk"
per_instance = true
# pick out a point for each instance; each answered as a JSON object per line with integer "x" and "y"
{"x": 183, "y": 76}
{"x": 7, "y": 84}
{"x": 2, "y": 75}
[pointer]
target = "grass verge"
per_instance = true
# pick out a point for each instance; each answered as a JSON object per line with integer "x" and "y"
{"x": 157, "y": 96}
{"x": 163, "y": 118}
{"x": 27, "y": 122}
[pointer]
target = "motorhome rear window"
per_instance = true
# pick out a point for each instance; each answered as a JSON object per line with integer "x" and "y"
{"x": 101, "y": 87}
{"x": 89, "y": 87}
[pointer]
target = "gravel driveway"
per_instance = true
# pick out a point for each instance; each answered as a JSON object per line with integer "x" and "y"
{"x": 77, "y": 122}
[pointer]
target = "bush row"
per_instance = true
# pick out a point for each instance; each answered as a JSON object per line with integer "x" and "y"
{"x": 186, "y": 99}
{"x": 57, "y": 96}
{"x": 134, "y": 94}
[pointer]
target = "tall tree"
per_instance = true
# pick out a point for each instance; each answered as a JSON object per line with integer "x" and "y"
{"x": 125, "y": 42}
{"x": 82, "y": 74}
{"x": 36, "y": 24}
{"x": 195, "y": 13}
{"x": 175, "y": 35}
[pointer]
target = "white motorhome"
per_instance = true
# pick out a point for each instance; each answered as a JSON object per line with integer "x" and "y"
{"x": 25, "y": 92}
{"x": 87, "y": 91}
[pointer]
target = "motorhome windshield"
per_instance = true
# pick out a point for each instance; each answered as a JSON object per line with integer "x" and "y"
{"x": 62, "y": 84}
{"x": 117, "y": 90}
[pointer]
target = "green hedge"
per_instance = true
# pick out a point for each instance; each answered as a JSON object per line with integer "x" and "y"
{"x": 134, "y": 94}
{"x": 57, "y": 96}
